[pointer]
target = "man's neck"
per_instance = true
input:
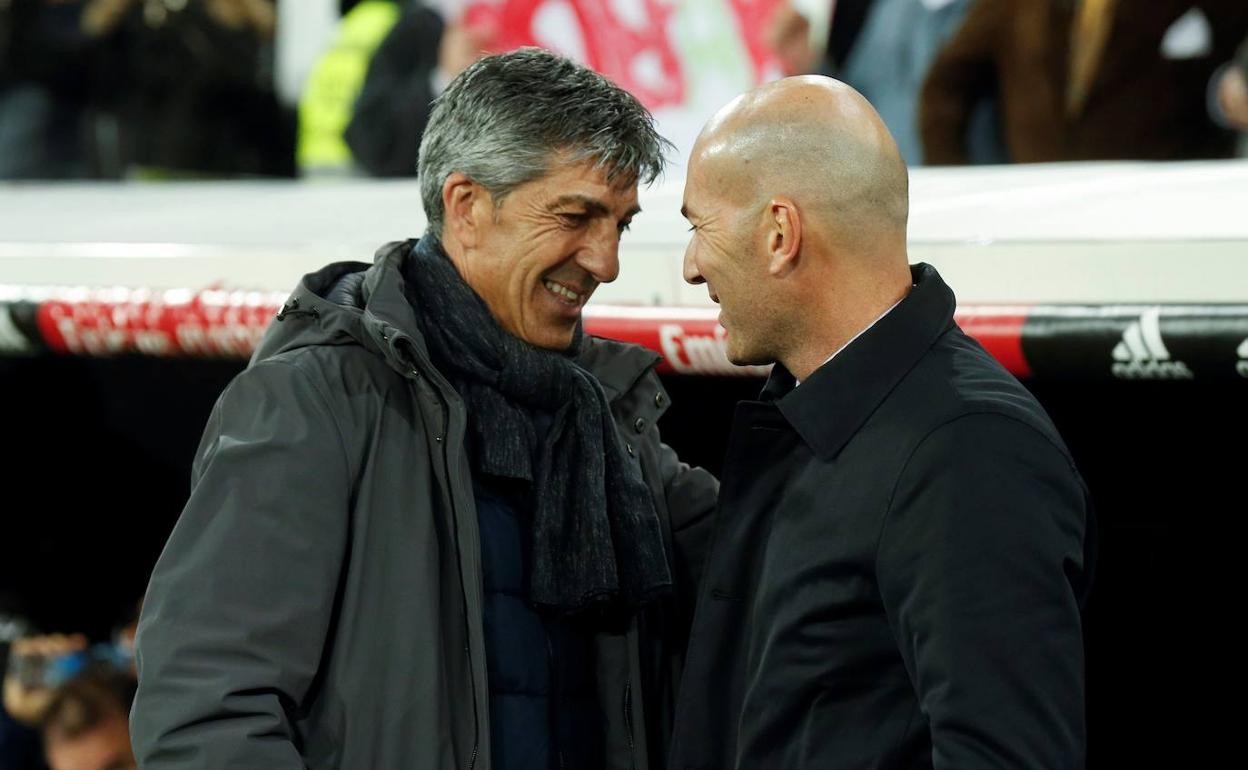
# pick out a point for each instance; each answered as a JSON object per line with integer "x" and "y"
{"x": 827, "y": 340}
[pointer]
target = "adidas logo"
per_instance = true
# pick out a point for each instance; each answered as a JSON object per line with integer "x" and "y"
{"x": 1242, "y": 365}
{"x": 1142, "y": 354}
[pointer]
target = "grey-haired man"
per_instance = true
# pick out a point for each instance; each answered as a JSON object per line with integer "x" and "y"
{"x": 432, "y": 525}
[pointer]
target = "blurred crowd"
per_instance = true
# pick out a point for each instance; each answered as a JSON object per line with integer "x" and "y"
{"x": 66, "y": 698}
{"x": 128, "y": 88}
{"x": 155, "y": 89}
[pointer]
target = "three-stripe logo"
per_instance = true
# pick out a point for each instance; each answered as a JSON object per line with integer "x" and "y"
{"x": 1142, "y": 353}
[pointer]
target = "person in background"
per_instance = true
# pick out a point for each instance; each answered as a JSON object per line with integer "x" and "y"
{"x": 1085, "y": 79}
{"x": 45, "y": 90}
{"x": 424, "y": 52}
{"x": 191, "y": 86}
{"x": 788, "y": 36}
{"x": 884, "y": 48}
{"x": 19, "y": 743}
{"x": 414, "y": 63}
{"x": 848, "y": 18}
{"x": 31, "y": 677}
{"x": 37, "y": 664}
{"x": 85, "y": 724}
{"x": 329, "y": 96}
{"x": 1229, "y": 96}
{"x": 888, "y": 65}
{"x": 38, "y": 669}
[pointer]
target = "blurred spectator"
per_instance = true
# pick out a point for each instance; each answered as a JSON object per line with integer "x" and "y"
{"x": 85, "y": 726}
{"x": 1230, "y": 103}
{"x": 191, "y": 81}
{"x": 415, "y": 61}
{"x": 105, "y": 87}
{"x": 37, "y": 672}
{"x": 34, "y": 671}
{"x": 884, "y": 49}
{"x": 1085, "y": 79}
{"x": 36, "y": 666}
{"x": 334, "y": 85}
{"x": 43, "y": 89}
{"x": 788, "y": 35}
{"x": 19, "y": 744}
{"x": 888, "y": 64}
{"x": 848, "y": 16}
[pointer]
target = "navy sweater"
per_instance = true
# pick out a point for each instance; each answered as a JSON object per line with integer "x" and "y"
{"x": 544, "y": 713}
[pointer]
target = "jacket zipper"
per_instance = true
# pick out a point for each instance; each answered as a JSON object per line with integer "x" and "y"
{"x": 552, "y": 712}
{"x": 476, "y": 720}
{"x": 453, "y": 479}
{"x": 628, "y": 717}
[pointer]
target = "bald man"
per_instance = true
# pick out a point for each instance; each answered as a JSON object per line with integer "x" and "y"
{"x": 902, "y": 545}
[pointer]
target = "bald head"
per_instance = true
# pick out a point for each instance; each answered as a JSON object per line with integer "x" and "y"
{"x": 798, "y": 200}
{"x": 819, "y": 142}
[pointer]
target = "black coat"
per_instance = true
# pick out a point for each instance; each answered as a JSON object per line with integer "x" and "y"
{"x": 897, "y": 569}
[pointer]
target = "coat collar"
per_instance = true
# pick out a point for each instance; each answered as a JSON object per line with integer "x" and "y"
{"x": 830, "y": 407}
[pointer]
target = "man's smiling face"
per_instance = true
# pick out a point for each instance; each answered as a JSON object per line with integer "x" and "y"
{"x": 540, "y": 255}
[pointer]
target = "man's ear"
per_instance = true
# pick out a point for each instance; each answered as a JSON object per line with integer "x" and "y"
{"x": 462, "y": 200}
{"x": 784, "y": 236}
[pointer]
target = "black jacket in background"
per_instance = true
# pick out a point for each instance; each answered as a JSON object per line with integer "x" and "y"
{"x": 897, "y": 569}
{"x": 392, "y": 110}
{"x": 848, "y": 16}
{"x": 193, "y": 96}
{"x": 42, "y": 42}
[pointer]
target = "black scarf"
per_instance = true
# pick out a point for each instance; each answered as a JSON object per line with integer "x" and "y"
{"x": 595, "y": 540}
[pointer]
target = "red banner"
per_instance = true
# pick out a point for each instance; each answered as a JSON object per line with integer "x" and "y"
{"x": 212, "y": 323}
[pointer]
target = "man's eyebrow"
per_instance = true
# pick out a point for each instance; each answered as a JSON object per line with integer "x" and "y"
{"x": 686, "y": 213}
{"x": 593, "y": 206}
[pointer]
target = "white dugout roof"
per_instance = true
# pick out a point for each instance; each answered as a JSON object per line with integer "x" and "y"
{"x": 1063, "y": 233}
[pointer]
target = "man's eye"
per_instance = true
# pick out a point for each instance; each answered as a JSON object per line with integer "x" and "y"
{"x": 573, "y": 219}
{"x": 625, "y": 227}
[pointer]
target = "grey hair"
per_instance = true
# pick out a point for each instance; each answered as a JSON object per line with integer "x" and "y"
{"x": 503, "y": 121}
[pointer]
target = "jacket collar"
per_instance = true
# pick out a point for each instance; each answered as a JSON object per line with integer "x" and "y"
{"x": 618, "y": 366}
{"x": 830, "y": 407}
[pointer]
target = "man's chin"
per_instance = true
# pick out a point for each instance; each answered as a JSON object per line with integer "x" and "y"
{"x": 554, "y": 338}
{"x": 740, "y": 355}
